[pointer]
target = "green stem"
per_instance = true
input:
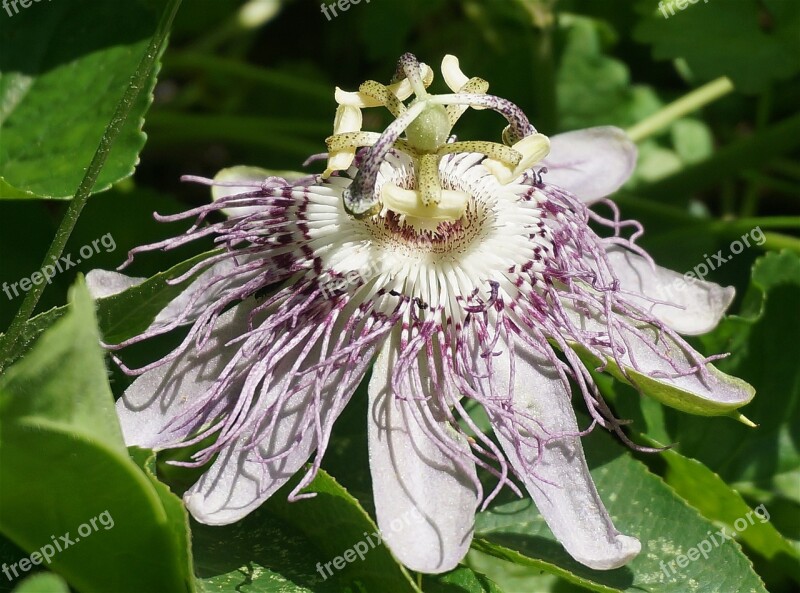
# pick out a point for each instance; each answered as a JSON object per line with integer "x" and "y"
{"x": 693, "y": 101}
{"x": 751, "y": 196}
{"x": 790, "y": 188}
{"x": 273, "y": 133}
{"x": 544, "y": 82}
{"x": 722, "y": 227}
{"x": 138, "y": 82}
{"x": 777, "y": 241}
{"x": 786, "y": 167}
{"x": 770, "y": 222}
{"x": 271, "y": 79}
{"x": 728, "y": 162}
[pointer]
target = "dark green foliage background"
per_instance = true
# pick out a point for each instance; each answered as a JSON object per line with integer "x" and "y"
{"x": 261, "y": 94}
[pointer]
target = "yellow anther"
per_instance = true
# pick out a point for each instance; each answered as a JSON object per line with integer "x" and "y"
{"x": 460, "y": 83}
{"x": 348, "y": 119}
{"x": 401, "y": 89}
{"x": 533, "y": 149}
{"x": 451, "y": 205}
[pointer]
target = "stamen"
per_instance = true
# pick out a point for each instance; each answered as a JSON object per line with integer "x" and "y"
{"x": 533, "y": 149}
{"x": 477, "y": 86}
{"x": 451, "y": 204}
{"x": 384, "y": 96}
{"x": 401, "y": 89}
{"x": 348, "y": 119}
{"x": 340, "y": 142}
{"x": 494, "y": 150}
{"x": 359, "y": 199}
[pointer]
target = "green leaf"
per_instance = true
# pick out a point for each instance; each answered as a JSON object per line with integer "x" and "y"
{"x": 285, "y": 546}
{"x": 124, "y": 315}
{"x": 747, "y": 40}
{"x": 65, "y": 470}
{"x": 640, "y": 505}
{"x": 177, "y": 523}
{"x": 61, "y": 77}
{"x": 43, "y": 583}
{"x": 512, "y": 577}
{"x": 763, "y": 345}
{"x": 336, "y": 523}
{"x": 259, "y": 554}
{"x": 692, "y": 140}
{"x": 708, "y": 493}
{"x": 459, "y": 580}
{"x": 593, "y": 88}
{"x": 31, "y": 331}
{"x": 669, "y": 394}
{"x": 120, "y": 316}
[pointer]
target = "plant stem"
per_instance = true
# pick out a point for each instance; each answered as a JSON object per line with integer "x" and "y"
{"x": 690, "y": 102}
{"x": 728, "y": 228}
{"x": 75, "y": 207}
{"x": 790, "y": 188}
{"x": 275, "y": 133}
{"x": 728, "y": 162}
{"x": 544, "y": 68}
{"x": 778, "y": 241}
{"x": 751, "y": 196}
{"x": 787, "y": 167}
{"x": 279, "y": 81}
{"x": 772, "y": 222}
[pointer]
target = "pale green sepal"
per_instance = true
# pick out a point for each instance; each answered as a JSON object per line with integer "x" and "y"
{"x": 675, "y": 397}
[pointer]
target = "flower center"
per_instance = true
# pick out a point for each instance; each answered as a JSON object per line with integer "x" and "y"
{"x": 406, "y": 222}
{"x": 422, "y": 131}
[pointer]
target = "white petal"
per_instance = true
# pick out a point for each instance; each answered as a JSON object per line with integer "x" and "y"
{"x": 199, "y": 295}
{"x": 251, "y": 179}
{"x": 561, "y": 485}
{"x": 192, "y": 301}
{"x": 590, "y": 163}
{"x": 160, "y": 395}
{"x": 697, "y": 306}
{"x": 424, "y": 501}
{"x": 102, "y": 283}
{"x": 241, "y": 479}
